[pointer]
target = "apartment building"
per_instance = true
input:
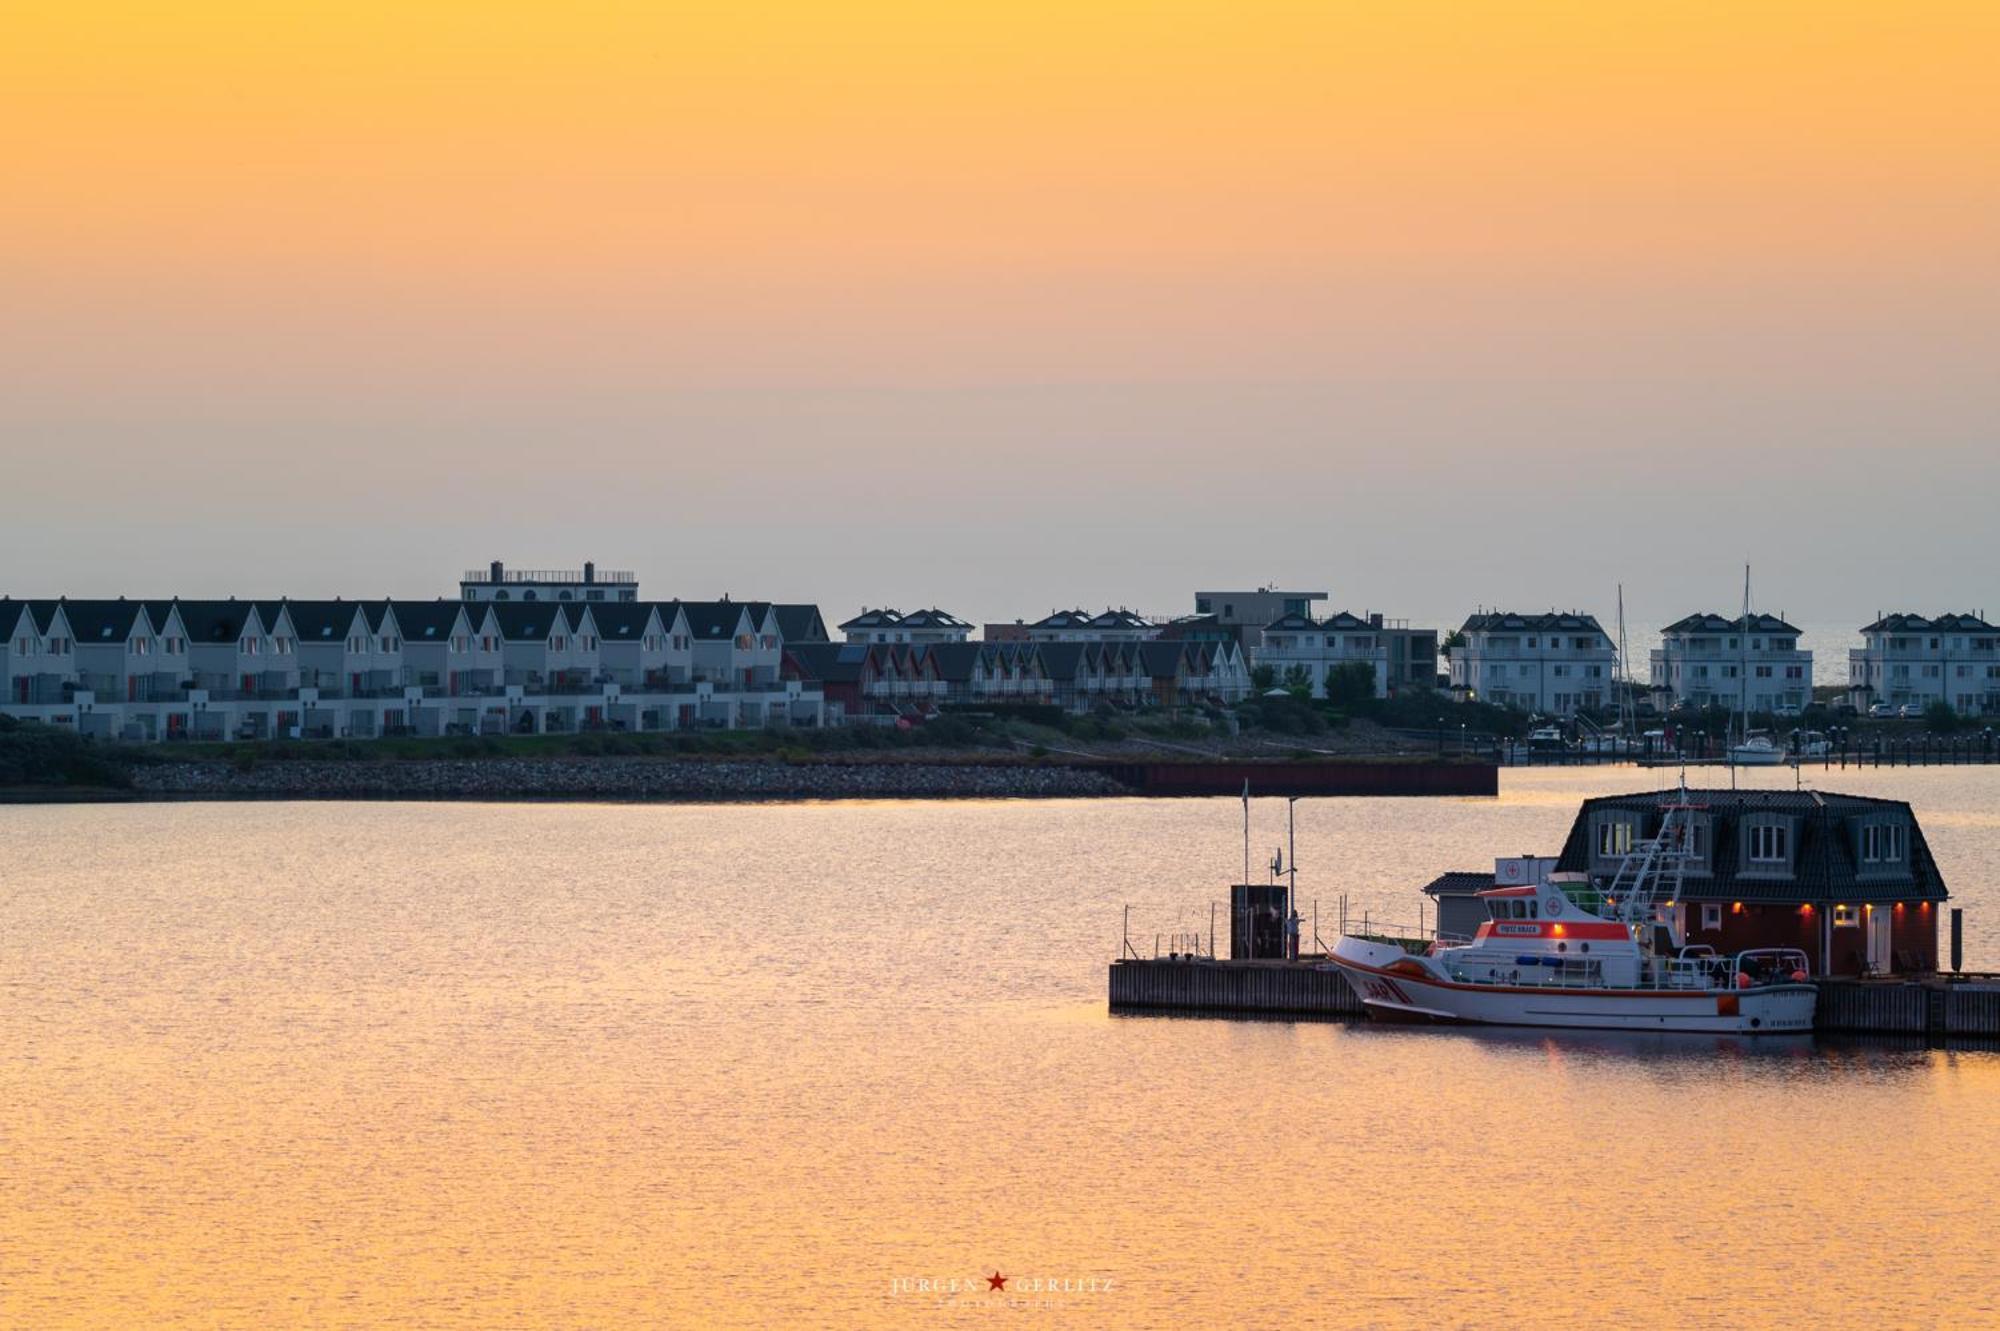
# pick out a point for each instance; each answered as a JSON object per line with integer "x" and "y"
{"x": 886, "y": 625}
{"x": 1400, "y": 659}
{"x": 1752, "y": 664}
{"x": 1915, "y": 659}
{"x": 1554, "y": 662}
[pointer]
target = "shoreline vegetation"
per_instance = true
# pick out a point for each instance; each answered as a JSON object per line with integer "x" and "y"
{"x": 1039, "y": 754}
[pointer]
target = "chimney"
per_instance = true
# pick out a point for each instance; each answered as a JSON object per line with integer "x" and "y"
{"x": 589, "y": 571}
{"x": 497, "y": 571}
{"x": 1375, "y": 621}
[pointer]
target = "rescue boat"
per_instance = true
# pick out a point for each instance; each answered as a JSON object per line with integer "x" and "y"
{"x": 1563, "y": 953}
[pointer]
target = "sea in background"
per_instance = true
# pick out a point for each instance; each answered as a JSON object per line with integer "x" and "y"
{"x": 563, "y": 1065}
{"x": 1829, "y": 644}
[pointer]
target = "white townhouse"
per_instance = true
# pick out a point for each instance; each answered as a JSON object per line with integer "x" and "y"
{"x": 934, "y": 626}
{"x": 37, "y": 653}
{"x": 1119, "y": 625}
{"x": 631, "y": 642}
{"x": 876, "y": 626}
{"x": 383, "y": 673}
{"x": 449, "y": 648}
{"x": 1554, "y": 662}
{"x": 119, "y": 655}
{"x": 1756, "y": 664}
{"x": 1398, "y": 657}
{"x": 1916, "y": 659}
{"x": 327, "y": 634}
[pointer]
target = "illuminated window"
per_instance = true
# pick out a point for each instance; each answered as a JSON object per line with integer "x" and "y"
{"x": 1614, "y": 837}
{"x": 1846, "y": 917}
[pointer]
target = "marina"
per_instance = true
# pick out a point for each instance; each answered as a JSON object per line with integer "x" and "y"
{"x": 1752, "y": 912}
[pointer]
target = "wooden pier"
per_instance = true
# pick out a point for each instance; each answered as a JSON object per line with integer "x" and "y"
{"x": 1936, "y": 1009}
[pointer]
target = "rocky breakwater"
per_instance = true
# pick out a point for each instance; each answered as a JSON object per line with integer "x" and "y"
{"x": 617, "y": 779}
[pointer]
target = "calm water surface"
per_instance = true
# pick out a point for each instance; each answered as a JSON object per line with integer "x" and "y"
{"x": 602, "y": 1066}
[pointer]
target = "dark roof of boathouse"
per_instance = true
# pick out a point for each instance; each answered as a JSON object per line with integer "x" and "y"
{"x": 1824, "y": 864}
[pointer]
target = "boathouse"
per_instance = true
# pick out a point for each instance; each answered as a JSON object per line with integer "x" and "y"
{"x": 1848, "y": 879}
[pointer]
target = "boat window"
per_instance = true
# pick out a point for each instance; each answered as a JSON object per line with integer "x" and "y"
{"x": 1534, "y": 910}
{"x": 1520, "y": 909}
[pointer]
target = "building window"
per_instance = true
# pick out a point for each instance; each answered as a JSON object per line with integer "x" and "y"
{"x": 1711, "y": 914}
{"x": 1767, "y": 844}
{"x": 1614, "y": 837}
{"x": 1882, "y": 843}
{"x": 1846, "y": 917}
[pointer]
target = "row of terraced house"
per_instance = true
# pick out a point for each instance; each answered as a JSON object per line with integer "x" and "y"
{"x": 250, "y": 669}
{"x": 864, "y": 678}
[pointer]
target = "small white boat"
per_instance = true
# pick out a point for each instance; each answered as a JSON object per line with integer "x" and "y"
{"x": 1756, "y": 751}
{"x": 1562, "y": 954}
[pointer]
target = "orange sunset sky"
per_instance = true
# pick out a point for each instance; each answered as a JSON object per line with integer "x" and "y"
{"x": 1007, "y": 306}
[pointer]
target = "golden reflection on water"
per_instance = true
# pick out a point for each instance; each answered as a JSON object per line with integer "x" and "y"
{"x": 614, "y": 1066}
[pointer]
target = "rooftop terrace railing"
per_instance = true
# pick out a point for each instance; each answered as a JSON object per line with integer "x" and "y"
{"x": 573, "y": 576}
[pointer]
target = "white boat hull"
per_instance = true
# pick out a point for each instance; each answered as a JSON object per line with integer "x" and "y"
{"x": 1397, "y": 986}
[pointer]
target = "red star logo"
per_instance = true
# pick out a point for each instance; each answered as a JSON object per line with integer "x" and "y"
{"x": 996, "y": 1281}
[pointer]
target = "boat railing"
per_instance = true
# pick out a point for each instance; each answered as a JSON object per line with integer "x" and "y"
{"x": 1702, "y": 973}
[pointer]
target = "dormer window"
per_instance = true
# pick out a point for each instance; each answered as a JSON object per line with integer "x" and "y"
{"x": 1614, "y": 837}
{"x": 1768, "y": 843}
{"x": 1882, "y": 843}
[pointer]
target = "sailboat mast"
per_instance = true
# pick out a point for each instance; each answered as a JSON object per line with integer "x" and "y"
{"x": 1743, "y": 647}
{"x": 1623, "y": 678}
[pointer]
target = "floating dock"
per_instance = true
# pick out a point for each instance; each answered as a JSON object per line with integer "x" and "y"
{"x": 1935, "y": 1009}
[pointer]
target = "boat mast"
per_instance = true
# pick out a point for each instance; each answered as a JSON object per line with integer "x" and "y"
{"x": 1743, "y": 647}
{"x": 1622, "y": 677}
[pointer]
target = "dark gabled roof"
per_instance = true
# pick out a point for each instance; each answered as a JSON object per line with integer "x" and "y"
{"x": 620, "y": 621}
{"x": 934, "y": 618}
{"x": 1950, "y": 622}
{"x": 667, "y": 610}
{"x": 327, "y": 621}
{"x": 421, "y": 621}
{"x": 158, "y": 611}
{"x": 1292, "y": 623}
{"x": 1344, "y": 619}
{"x": 715, "y": 621}
{"x": 41, "y": 613}
{"x": 873, "y": 619}
{"x": 268, "y": 611}
{"x": 1824, "y": 868}
{"x": 1458, "y": 883}
{"x": 211, "y": 621}
{"x": 829, "y": 662}
{"x": 102, "y": 621}
{"x": 1558, "y": 621}
{"x": 1707, "y": 623}
{"x": 954, "y": 660}
{"x": 378, "y": 613}
{"x": 1063, "y": 660}
{"x": 801, "y": 623}
{"x": 1162, "y": 660}
{"x": 1083, "y": 619}
{"x": 528, "y": 621}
